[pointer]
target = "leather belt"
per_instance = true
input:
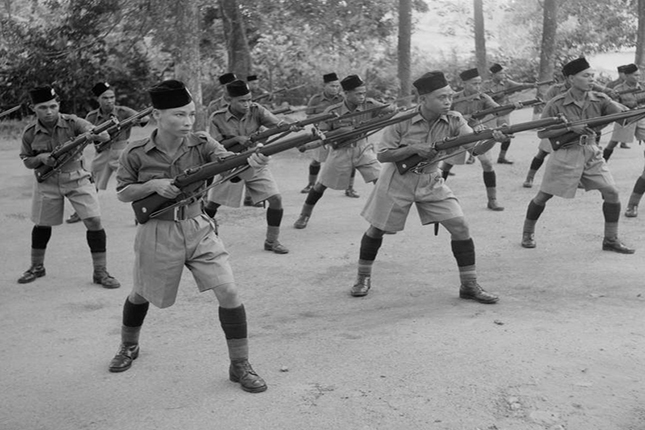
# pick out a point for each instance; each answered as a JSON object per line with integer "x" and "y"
{"x": 181, "y": 213}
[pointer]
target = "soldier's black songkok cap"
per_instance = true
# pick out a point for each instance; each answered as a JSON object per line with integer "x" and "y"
{"x": 237, "y": 88}
{"x": 251, "y": 78}
{"x": 630, "y": 68}
{"x": 100, "y": 88}
{"x": 576, "y": 66}
{"x": 351, "y": 82}
{"x": 469, "y": 74}
{"x": 42, "y": 94}
{"x": 330, "y": 77}
{"x": 430, "y": 81}
{"x": 227, "y": 78}
{"x": 496, "y": 68}
{"x": 169, "y": 94}
{"x": 621, "y": 69}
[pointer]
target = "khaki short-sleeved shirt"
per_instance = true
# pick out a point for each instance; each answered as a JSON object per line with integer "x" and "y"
{"x": 97, "y": 117}
{"x": 224, "y": 125}
{"x": 472, "y": 105}
{"x": 319, "y": 102}
{"x": 36, "y": 139}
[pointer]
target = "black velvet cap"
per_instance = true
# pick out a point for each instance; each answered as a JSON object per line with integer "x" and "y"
{"x": 630, "y": 68}
{"x": 100, "y": 88}
{"x": 169, "y": 94}
{"x": 621, "y": 69}
{"x": 430, "y": 81}
{"x": 351, "y": 82}
{"x": 251, "y": 78}
{"x": 227, "y": 78}
{"x": 237, "y": 88}
{"x": 469, "y": 74}
{"x": 576, "y": 66}
{"x": 330, "y": 77}
{"x": 496, "y": 68}
{"x": 42, "y": 95}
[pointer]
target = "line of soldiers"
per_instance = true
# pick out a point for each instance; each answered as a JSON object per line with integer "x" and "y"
{"x": 187, "y": 234}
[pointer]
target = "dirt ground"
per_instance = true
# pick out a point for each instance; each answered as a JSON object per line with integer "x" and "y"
{"x": 563, "y": 349}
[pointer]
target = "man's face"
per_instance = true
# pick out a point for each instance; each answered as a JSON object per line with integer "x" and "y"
{"x": 357, "y": 95}
{"x": 437, "y": 102}
{"x": 107, "y": 101}
{"x": 176, "y": 121}
{"x": 583, "y": 80}
{"x": 473, "y": 85}
{"x": 241, "y": 105}
{"x": 499, "y": 76}
{"x": 47, "y": 112}
{"x": 332, "y": 88}
{"x": 633, "y": 78}
{"x": 253, "y": 85}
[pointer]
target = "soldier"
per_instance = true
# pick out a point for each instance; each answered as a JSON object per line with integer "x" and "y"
{"x": 579, "y": 163}
{"x": 72, "y": 181}
{"x": 317, "y": 104}
{"x": 233, "y": 126}
{"x": 258, "y": 93}
{"x": 474, "y": 101}
{"x": 222, "y": 101}
{"x": 636, "y": 196}
{"x": 183, "y": 237}
{"x": 500, "y": 81}
{"x": 389, "y": 203}
{"x": 625, "y": 134}
{"x": 341, "y": 162}
{"x": 621, "y": 77}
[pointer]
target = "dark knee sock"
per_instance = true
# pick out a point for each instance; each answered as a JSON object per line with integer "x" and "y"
{"x": 274, "y": 217}
{"x": 464, "y": 252}
{"x": 133, "y": 316}
{"x": 210, "y": 208}
{"x": 314, "y": 170}
{"x": 536, "y": 163}
{"x": 367, "y": 254}
{"x": 40, "y": 236}
{"x": 639, "y": 186}
{"x": 490, "y": 179}
{"x": 233, "y": 321}
{"x": 313, "y": 196}
{"x": 532, "y": 215}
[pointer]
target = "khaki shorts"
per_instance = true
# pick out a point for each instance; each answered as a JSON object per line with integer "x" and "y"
{"x": 260, "y": 187}
{"x": 48, "y": 202}
{"x": 163, "y": 248}
{"x": 105, "y": 163}
{"x": 389, "y": 204}
{"x": 573, "y": 165}
{"x": 337, "y": 170}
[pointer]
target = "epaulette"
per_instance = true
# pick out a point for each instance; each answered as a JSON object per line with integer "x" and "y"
{"x": 219, "y": 111}
{"x": 138, "y": 143}
{"x": 203, "y": 136}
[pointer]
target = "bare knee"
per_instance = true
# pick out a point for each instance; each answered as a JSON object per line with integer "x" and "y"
{"x": 458, "y": 228}
{"x": 319, "y": 188}
{"x": 275, "y": 201}
{"x": 375, "y": 233}
{"x": 136, "y": 299}
{"x": 93, "y": 223}
{"x": 227, "y": 295}
{"x": 610, "y": 195}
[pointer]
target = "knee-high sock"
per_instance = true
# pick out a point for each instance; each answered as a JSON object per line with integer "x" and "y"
{"x": 313, "y": 173}
{"x": 40, "y": 236}
{"x": 637, "y": 193}
{"x": 464, "y": 252}
{"x": 367, "y": 254}
{"x": 233, "y": 321}
{"x": 532, "y": 215}
{"x": 133, "y": 316}
{"x": 274, "y": 218}
{"x": 97, "y": 240}
{"x": 611, "y": 212}
{"x": 536, "y": 163}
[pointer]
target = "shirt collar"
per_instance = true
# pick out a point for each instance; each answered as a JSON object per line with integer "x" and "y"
{"x": 568, "y": 98}
{"x": 59, "y": 123}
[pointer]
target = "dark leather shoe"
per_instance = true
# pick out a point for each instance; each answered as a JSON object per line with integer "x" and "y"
{"x": 123, "y": 359}
{"x": 350, "y": 192}
{"x": 301, "y": 222}
{"x": 616, "y": 246}
{"x": 31, "y": 274}
{"x": 528, "y": 183}
{"x": 276, "y": 247}
{"x": 306, "y": 189}
{"x": 105, "y": 279}
{"x": 624, "y": 145}
{"x": 504, "y": 161}
{"x": 361, "y": 287}
{"x": 242, "y": 372}
{"x": 528, "y": 240}
{"x": 475, "y": 292}
{"x": 73, "y": 218}
{"x": 494, "y": 206}
{"x": 631, "y": 212}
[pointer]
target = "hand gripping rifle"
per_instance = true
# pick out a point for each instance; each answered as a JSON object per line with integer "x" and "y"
{"x": 154, "y": 204}
{"x": 67, "y": 151}
{"x": 120, "y": 126}
{"x": 415, "y": 161}
{"x": 504, "y": 109}
{"x": 564, "y": 137}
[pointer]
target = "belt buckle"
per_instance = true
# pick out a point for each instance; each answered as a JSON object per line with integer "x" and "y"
{"x": 179, "y": 213}
{"x": 418, "y": 169}
{"x": 583, "y": 140}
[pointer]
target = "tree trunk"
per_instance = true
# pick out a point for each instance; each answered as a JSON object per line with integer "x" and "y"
{"x": 187, "y": 55}
{"x": 480, "y": 39}
{"x": 405, "y": 35}
{"x": 547, "y": 48}
{"x": 237, "y": 46}
{"x": 640, "y": 38}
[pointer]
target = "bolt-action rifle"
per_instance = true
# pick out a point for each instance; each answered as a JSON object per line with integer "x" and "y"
{"x": 281, "y": 90}
{"x": 120, "y": 126}
{"x": 67, "y": 151}
{"x": 418, "y": 162}
{"x": 10, "y": 111}
{"x": 505, "y": 91}
{"x": 154, "y": 204}
{"x": 504, "y": 109}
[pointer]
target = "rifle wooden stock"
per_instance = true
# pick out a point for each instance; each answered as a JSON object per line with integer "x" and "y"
{"x": 122, "y": 125}
{"x": 413, "y": 161}
{"x": 503, "y": 110}
{"x": 66, "y": 152}
{"x": 569, "y": 137}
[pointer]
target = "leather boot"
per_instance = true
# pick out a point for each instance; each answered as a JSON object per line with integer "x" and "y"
{"x": 102, "y": 277}
{"x": 361, "y": 287}
{"x": 617, "y": 246}
{"x": 31, "y": 274}
{"x": 123, "y": 359}
{"x": 242, "y": 372}
{"x": 528, "y": 240}
{"x": 473, "y": 291}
